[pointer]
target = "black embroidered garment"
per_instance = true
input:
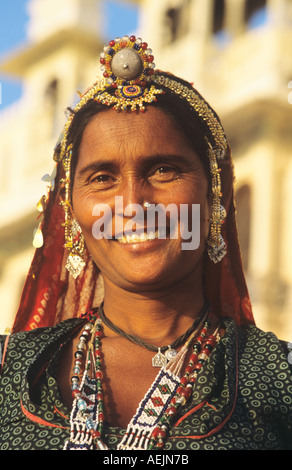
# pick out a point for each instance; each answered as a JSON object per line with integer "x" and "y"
{"x": 242, "y": 398}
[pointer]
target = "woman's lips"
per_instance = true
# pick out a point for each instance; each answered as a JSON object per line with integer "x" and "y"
{"x": 144, "y": 236}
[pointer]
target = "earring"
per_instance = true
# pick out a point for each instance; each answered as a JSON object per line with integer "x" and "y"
{"x": 217, "y": 251}
{"x": 75, "y": 244}
{"x": 216, "y": 245}
{"x": 74, "y": 240}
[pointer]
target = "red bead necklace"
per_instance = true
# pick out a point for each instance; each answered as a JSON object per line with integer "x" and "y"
{"x": 202, "y": 348}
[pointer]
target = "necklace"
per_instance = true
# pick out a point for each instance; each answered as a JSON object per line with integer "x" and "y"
{"x": 165, "y": 353}
{"x": 155, "y": 414}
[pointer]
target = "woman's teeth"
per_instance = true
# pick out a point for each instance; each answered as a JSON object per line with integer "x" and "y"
{"x": 137, "y": 238}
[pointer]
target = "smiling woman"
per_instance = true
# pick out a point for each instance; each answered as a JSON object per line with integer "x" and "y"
{"x": 129, "y": 336}
{"x": 127, "y": 163}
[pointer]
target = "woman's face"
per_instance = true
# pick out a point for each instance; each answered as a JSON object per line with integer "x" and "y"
{"x": 127, "y": 159}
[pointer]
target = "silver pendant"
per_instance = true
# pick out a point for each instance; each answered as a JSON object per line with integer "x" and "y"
{"x": 159, "y": 360}
{"x": 75, "y": 264}
{"x": 170, "y": 353}
{"x": 101, "y": 446}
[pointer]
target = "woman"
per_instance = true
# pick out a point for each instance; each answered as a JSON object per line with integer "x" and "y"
{"x": 138, "y": 333}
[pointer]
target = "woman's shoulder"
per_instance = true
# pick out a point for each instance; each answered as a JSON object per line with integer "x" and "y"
{"x": 26, "y": 344}
{"x": 262, "y": 338}
{"x": 261, "y": 347}
{"x": 43, "y": 332}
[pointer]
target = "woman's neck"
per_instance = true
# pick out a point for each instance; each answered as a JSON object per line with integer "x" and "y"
{"x": 158, "y": 317}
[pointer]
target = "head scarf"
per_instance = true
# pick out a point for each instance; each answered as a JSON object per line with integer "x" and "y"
{"x": 50, "y": 293}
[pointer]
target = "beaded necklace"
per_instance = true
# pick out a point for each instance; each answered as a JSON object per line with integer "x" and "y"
{"x": 154, "y": 417}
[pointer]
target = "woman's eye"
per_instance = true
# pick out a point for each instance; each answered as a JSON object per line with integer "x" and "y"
{"x": 164, "y": 169}
{"x": 101, "y": 179}
{"x": 165, "y": 173}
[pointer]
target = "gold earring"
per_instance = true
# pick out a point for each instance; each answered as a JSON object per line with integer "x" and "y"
{"x": 74, "y": 240}
{"x": 216, "y": 245}
{"x": 75, "y": 244}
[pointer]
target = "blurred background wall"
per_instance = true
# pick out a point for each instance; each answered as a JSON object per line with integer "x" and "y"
{"x": 238, "y": 54}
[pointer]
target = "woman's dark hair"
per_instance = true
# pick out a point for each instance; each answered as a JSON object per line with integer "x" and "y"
{"x": 171, "y": 104}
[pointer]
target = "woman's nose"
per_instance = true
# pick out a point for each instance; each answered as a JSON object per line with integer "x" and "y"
{"x": 135, "y": 193}
{"x": 130, "y": 204}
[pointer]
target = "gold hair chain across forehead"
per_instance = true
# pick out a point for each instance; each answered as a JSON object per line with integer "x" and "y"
{"x": 128, "y": 67}
{"x": 130, "y": 81}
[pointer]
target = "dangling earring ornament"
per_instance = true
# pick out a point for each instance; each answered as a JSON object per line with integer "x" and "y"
{"x": 74, "y": 240}
{"x": 75, "y": 262}
{"x": 38, "y": 239}
{"x": 216, "y": 245}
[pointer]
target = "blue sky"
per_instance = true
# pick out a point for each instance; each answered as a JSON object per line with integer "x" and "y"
{"x": 121, "y": 19}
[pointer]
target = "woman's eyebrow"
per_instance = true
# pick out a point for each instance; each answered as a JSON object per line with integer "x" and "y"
{"x": 169, "y": 157}
{"x": 96, "y": 166}
{"x": 147, "y": 160}
{"x": 164, "y": 158}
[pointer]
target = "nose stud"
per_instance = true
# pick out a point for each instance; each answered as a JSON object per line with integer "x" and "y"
{"x": 147, "y": 204}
